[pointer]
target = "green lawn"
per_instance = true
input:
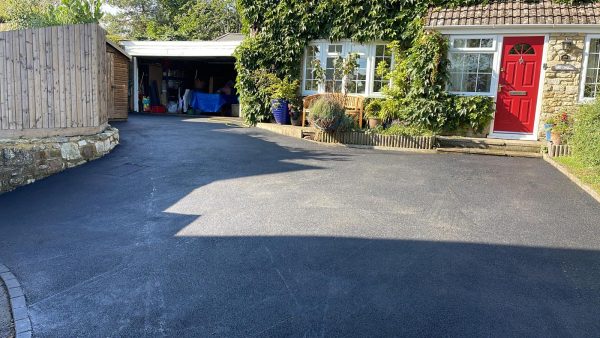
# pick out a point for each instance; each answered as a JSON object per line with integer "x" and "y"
{"x": 588, "y": 175}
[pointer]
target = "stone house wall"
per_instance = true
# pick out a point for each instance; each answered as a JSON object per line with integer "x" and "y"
{"x": 25, "y": 160}
{"x": 561, "y": 88}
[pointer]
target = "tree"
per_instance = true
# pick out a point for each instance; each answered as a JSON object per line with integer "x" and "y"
{"x": 173, "y": 19}
{"x": 20, "y": 14}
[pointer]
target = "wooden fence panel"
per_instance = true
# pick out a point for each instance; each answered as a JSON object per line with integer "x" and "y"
{"x": 53, "y": 81}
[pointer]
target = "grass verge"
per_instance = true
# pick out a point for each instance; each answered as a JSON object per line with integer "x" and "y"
{"x": 587, "y": 175}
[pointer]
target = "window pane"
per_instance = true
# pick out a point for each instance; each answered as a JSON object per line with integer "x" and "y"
{"x": 456, "y": 82}
{"x": 459, "y": 43}
{"x": 487, "y": 43}
{"x": 595, "y": 46}
{"x": 593, "y": 61}
{"x": 485, "y": 63}
{"x": 335, "y": 49}
{"x": 473, "y": 43}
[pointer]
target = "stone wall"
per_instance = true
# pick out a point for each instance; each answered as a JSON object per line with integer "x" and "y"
{"x": 561, "y": 88}
{"x": 23, "y": 161}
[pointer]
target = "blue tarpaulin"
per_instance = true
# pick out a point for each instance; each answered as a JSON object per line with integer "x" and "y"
{"x": 211, "y": 103}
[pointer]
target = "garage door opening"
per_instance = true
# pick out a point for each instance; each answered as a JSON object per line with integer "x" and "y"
{"x": 193, "y": 86}
{"x": 184, "y": 77}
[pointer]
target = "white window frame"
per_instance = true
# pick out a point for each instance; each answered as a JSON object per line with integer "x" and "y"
{"x": 584, "y": 66}
{"x": 304, "y": 63}
{"x": 495, "y": 49}
{"x": 346, "y": 47}
{"x": 371, "y": 83}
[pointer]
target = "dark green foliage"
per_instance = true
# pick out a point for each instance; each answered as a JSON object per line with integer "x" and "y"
{"x": 586, "y": 134}
{"x": 475, "y": 112}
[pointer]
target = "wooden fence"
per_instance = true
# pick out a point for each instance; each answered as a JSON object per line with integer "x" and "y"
{"x": 377, "y": 140}
{"x": 53, "y": 81}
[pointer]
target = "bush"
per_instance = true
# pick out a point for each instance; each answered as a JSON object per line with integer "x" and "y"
{"x": 586, "y": 134}
{"x": 475, "y": 112}
{"x": 326, "y": 114}
{"x": 402, "y": 129}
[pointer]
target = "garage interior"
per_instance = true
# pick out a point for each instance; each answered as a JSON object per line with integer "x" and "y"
{"x": 164, "y": 82}
{"x": 184, "y": 77}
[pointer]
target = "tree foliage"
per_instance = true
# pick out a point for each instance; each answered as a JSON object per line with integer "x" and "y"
{"x": 173, "y": 19}
{"x": 41, "y": 13}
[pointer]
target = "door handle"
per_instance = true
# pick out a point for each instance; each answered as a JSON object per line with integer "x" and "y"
{"x": 500, "y": 88}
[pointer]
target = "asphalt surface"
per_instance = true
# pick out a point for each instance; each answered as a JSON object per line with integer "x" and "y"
{"x": 194, "y": 229}
{"x": 6, "y": 324}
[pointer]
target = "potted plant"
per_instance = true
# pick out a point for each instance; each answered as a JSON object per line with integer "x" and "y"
{"x": 282, "y": 91}
{"x": 561, "y": 126}
{"x": 373, "y": 113}
{"x": 295, "y": 111}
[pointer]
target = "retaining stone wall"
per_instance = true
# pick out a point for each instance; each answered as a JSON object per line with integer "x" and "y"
{"x": 24, "y": 161}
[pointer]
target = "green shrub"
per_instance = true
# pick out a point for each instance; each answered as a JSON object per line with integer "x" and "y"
{"x": 586, "y": 134}
{"x": 475, "y": 112}
{"x": 326, "y": 114}
{"x": 404, "y": 130}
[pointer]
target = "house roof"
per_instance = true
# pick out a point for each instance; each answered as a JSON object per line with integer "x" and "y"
{"x": 514, "y": 12}
{"x": 118, "y": 48}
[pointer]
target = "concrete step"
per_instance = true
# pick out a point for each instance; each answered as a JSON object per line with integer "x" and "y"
{"x": 492, "y": 152}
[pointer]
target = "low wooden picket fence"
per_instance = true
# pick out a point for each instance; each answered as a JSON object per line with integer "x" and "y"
{"x": 558, "y": 150}
{"x": 377, "y": 140}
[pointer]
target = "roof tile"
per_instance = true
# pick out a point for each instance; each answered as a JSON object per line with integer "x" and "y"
{"x": 515, "y": 12}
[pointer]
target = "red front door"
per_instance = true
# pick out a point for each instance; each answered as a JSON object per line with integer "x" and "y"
{"x": 520, "y": 71}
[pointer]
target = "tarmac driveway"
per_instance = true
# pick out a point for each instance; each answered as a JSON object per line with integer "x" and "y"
{"x": 194, "y": 229}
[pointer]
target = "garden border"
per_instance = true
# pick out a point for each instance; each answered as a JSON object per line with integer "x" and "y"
{"x": 18, "y": 303}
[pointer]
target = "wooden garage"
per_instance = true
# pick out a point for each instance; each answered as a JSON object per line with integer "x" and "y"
{"x": 118, "y": 82}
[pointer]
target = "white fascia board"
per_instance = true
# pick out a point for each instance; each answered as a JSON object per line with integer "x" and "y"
{"x": 180, "y": 48}
{"x": 517, "y": 29}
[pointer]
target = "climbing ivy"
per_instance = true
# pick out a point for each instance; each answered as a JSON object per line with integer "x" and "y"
{"x": 278, "y": 31}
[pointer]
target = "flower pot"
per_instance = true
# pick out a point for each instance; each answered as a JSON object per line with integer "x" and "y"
{"x": 374, "y": 122}
{"x": 555, "y": 138}
{"x": 280, "y": 111}
{"x": 548, "y": 129}
{"x": 296, "y": 121}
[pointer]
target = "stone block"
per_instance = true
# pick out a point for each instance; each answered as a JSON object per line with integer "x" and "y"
{"x": 70, "y": 151}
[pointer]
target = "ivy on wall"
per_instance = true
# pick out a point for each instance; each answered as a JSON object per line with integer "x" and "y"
{"x": 278, "y": 30}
